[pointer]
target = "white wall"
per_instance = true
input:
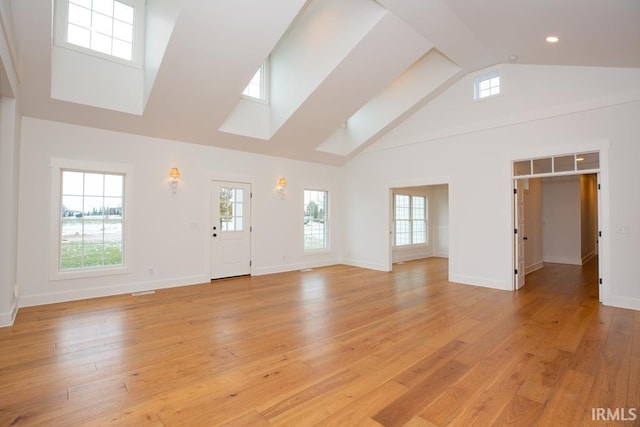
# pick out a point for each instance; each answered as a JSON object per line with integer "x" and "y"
{"x": 170, "y": 232}
{"x": 533, "y": 259}
{"x": 440, "y": 215}
{"x": 561, "y": 230}
{"x": 477, "y": 165}
{"x": 9, "y": 171}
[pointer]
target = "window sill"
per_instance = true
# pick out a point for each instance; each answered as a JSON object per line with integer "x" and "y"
{"x": 89, "y": 273}
{"x": 317, "y": 251}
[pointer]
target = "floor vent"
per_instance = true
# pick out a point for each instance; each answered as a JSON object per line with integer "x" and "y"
{"x": 138, "y": 294}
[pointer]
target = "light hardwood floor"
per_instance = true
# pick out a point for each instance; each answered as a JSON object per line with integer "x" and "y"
{"x": 336, "y": 346}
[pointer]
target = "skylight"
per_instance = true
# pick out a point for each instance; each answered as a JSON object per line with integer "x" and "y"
{"x": 257, "y": 87}
{"x": 105, "y": 26}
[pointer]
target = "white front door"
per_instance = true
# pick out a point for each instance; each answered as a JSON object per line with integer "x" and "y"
{"x": 230, "y": 229}
{"x": 519, "y": 232}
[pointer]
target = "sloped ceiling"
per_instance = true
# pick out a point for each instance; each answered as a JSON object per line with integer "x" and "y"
{"x": 369, "y": 64}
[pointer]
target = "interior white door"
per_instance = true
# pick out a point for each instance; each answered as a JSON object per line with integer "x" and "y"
{"x": 519, "y": 232}
{"x": 230, "y": 229}
{"x": 599, "y": 236}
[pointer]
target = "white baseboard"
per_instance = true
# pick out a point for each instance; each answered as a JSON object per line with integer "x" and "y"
{"x": 625, "y": 302}
{"x": 365, "y": 264}
{"x": 80, "y": 294}
{"x": 533, "y": 267}
{"x": 410, "y": 253}
{"x": 557, "y": 260}
{"x": 589, "y": 257}
{"x": 291, "y": 267}
{"x": 7, "y": 319}
{"x": 480, "y": 281}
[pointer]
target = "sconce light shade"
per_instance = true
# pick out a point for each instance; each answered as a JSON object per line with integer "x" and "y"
{"x": 282, "y": 184}
{"x": 174, "y": 174}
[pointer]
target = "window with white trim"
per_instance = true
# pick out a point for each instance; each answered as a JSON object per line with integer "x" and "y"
{"x": 231, "y": 209}
{"x": 105, "y": 27}
{"x": 487, "y": 85}
{"x": 410, "y": 219}
{"x": 315, "y": 220}
{"x": 257, "y": 88}
{"x": 91, "y": 220}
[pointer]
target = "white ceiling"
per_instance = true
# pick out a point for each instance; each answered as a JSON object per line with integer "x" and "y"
{"x": 333, "y": 60}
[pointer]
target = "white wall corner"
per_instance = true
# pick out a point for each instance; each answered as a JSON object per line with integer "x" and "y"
{"x": 7, "y": 319}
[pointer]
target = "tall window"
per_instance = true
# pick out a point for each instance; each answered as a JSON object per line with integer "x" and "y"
{"x": 315, "y": 219}
{"x": 109, "y": 27}
{"x": 91, "y": 220}
{"x": 487, "y": 85}
{"x": 257, "y": 87}
{"x": 410, "y": 218}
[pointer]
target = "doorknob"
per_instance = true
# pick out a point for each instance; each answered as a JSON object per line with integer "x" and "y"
{"x": 525, "y": 238}
{"x": 215, "y": 235}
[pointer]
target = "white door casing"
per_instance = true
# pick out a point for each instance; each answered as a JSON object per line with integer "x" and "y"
{"x": 230, "y": 229}
{"x": 519, "y": 232}
{"x": 599, "y": 237}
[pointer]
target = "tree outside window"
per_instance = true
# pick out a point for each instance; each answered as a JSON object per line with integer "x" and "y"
{"x": 315, "y": 220}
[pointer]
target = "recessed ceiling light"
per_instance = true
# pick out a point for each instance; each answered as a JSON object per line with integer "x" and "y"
{"x": 552, "y": 39}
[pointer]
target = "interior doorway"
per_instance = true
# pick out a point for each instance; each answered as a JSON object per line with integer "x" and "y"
{"x": 557, "y": 215}
{"x": 419, "y": 223}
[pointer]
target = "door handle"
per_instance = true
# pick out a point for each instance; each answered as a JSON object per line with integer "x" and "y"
{"x": 525, "y": 238}
{"x": 215, "y": 235}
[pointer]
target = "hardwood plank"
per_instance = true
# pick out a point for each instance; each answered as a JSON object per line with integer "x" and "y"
{"x": 318, "y": 389}
{"x": 401, "y": 410}
{"x": 473, "y": 383}
{"x": 573, "y": 332}
{"x": 520, "y": 412}
{"x": 545, "y": 375}
{"x": 419, "y": 422}
{"x": 497, "y": 393}
{"x": 613, "y": 377}
{"x": 567, "y": 404}
{"x": 335, "y": 346}
{"x": 360, "y": 410}
{"x": 251, "y": 418}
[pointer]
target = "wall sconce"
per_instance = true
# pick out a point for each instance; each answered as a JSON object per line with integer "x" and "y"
{"x": 282, "y": 184}
{"x": 174, "y": 174}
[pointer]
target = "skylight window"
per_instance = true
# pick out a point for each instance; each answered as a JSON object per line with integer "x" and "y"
{"x": 102, "y": 25}
{"x": 107, "y": 27}
{"x": 487, "y": 85}
{"x": 257, "y": 87}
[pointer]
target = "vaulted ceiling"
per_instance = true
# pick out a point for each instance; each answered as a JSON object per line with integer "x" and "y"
{"x": 343, "y": 73}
